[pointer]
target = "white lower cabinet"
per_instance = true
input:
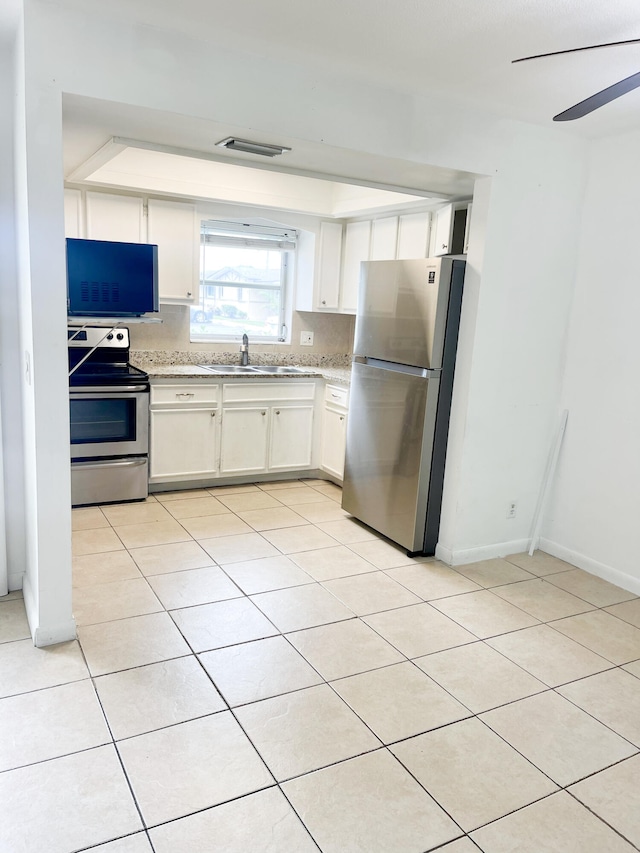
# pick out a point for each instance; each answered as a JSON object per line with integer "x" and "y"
{"x": 291, "y": 439}
{"x": 183, "y": 443}
{"x": 203, "y": 430}
{"x": 244, "y": 440}
{"x": 267, "y": 427}
{"x": 334, "y": 430}
{"x": 184, "y": 437}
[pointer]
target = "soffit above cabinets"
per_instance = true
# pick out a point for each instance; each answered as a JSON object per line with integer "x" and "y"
{"x": 133, "y": 165}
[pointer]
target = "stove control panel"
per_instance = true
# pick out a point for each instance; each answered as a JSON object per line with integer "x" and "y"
{"x": 93, "y": 337}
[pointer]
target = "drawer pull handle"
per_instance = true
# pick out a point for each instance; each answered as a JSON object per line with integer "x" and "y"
{"x": 184, "y": 394}
{"x": 336, "y": 396}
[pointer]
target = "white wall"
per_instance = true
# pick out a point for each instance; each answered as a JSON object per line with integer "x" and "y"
{"x": 594, "y": 514}
{"x": 42, "y": 323}
{"x": 520, "y": 280}
{"x": 12, "y": 533}
{"x": 524, "y": 238}
{"x": 10, "y": 344}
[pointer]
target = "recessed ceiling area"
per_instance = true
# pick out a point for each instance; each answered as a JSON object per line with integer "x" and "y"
{"x": 166, "y": 173}
{"x": 118, "y": 146}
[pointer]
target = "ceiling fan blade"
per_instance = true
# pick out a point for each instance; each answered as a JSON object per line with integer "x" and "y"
{"x": 600, "y": 99}
{"x": 575, "y": 50}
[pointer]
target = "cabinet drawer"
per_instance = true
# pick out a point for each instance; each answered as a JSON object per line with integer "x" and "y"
{"x": 336, "y": 395}
{"x": 184, "y": 394}
{"x": 267, "y": 391}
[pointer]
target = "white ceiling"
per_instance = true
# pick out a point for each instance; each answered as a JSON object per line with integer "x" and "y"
{"x": 458, "y": 49}
{"x": 455, "y": 49}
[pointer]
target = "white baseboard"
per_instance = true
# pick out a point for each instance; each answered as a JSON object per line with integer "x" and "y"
{"x": 483, "y": 552}
{"x": 45, "y": 635}
{"x": 518, "y": 546}
{"x": 56, "y": 634}
{"x": 601, "y": 570}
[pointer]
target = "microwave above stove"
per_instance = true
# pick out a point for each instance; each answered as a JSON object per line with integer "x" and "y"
{"x": 109, "y": 279}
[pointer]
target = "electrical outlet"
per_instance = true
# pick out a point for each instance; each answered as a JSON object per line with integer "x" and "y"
{"x": 512, "y": 506}
{"x": 306, "y": 339}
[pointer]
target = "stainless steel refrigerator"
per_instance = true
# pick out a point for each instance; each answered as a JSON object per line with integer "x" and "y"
{"x": 405, "y": 343}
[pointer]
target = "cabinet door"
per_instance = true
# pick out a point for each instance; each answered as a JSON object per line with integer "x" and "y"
{"x": 173, "y": 226}
{"x": 73, "y": 226}
{"x": 328, "y": 276}
{"x": 334, "y": 431}
{"x": 115, "y": 217}
{"x": 243, "y": 447}
{"x": 443, "y": 229}
{"x": 413, "y": 235}
{"x": 357, "y": 240}
{"x": 183, "y": 443}
{"x": 291, "y": 437}
{"x": 384, "y": 239}
{"x": 467, "y": 229}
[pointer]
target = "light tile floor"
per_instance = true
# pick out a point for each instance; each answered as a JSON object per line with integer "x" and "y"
{"x": 255, "y": 670}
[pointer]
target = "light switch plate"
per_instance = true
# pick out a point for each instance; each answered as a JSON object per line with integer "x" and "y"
{"x": 306, "y": 339}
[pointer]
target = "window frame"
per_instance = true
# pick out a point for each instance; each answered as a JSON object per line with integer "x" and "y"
{"x": 248, "y": 235}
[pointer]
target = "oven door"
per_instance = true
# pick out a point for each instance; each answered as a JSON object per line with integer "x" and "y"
{"x": 110, "y": 421}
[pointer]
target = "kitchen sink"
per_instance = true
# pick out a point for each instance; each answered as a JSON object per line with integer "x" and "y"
{"x": 280, "y": 368}
{"x": 227, "y": 368}
{"x": 255, "y": 368}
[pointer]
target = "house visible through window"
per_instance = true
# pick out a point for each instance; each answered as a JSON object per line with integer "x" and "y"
{"x": 243, "y": 282}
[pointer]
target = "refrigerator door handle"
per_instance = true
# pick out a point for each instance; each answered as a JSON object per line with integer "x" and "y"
{"x": 394, "y": 367}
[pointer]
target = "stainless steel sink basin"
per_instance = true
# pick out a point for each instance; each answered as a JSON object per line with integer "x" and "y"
{"x": 280, "y": 368}
{"x": 255, "y": 369}
{"x": 227, "y": 368}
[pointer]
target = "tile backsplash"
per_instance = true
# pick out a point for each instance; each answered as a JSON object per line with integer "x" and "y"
{"x": 332, "y": 336}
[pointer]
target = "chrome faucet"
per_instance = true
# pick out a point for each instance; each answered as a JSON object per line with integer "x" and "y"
{"x": 244, "y": 351}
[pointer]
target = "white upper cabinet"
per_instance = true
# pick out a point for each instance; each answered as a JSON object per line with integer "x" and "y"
{"x": 413, "y": 235}
{"x": 467, "y": 229}
{"x": 443, "y": 228}
{"x": 115, "y": 217}
{"x": 357, "y": 242}
{"x": 73, "y": 220}
{"x": 328, "y": 266}
{"x": 384, "y": 239}
{"x": 450, "y": 227}
{"x": 173, "y": 226}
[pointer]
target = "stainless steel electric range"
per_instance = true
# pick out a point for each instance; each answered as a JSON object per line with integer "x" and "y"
{"x": 109, "y": 418}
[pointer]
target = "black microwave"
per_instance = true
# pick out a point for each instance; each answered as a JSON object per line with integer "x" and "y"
{"x": 109, "y": 279}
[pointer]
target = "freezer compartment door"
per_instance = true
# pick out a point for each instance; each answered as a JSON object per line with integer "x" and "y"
{"x": 402, "y": 311}
{"x": 389, "y": 444}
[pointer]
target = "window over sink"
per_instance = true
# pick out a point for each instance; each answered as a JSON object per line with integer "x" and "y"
{"x": 245, "y": 273}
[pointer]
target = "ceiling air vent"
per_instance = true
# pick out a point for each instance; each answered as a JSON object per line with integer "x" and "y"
{"x": 234, "y": 144}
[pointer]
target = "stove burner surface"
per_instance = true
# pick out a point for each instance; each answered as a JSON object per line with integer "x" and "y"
{"x": 100, "y": 373}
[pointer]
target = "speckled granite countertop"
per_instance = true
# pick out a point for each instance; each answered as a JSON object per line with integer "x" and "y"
{"x": 177, "y": 365}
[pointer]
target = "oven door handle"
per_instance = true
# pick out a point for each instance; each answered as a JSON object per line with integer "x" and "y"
{"x": 134, "y": 462}
{"x": 107, "y": 389}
